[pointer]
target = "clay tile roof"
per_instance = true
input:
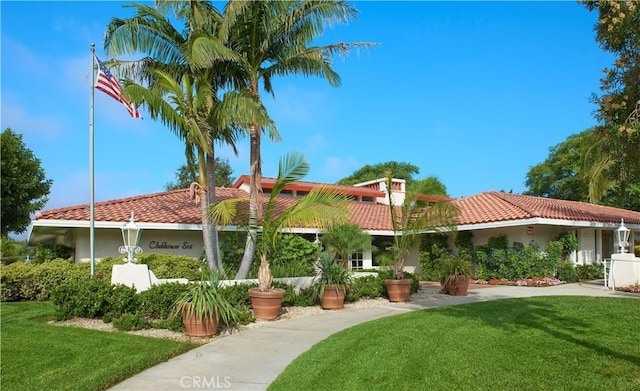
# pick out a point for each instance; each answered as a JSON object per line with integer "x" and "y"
{"x": 175, "y": 207}
{"x": 497, "y": 206}
{"x": 167, "y": 207}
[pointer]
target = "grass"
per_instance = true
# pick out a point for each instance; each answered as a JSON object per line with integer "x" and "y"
{"x": 542, "y": 343}
{"x": 39, "y": 356}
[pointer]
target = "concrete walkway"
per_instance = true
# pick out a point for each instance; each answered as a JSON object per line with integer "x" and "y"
{"x": 253, "y": 358}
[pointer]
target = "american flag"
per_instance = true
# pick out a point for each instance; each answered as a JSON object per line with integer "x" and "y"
{"x": 108, "y": 84}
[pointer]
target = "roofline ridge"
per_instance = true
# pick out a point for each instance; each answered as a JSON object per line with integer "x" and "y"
{"x": 501, "y": 196}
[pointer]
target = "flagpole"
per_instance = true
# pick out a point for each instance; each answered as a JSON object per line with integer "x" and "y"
{"x": 92, "y": 244}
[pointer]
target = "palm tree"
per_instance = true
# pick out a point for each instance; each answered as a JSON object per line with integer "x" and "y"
{"x": 177, "y": 89}
{"x": 415, "y": 216}
{"x": 274, "y": 38}
{"x": 345, "y": 239}
{"x": 320, "y": 209}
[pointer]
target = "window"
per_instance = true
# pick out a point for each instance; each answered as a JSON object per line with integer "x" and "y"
{"x": 355, "y": 261}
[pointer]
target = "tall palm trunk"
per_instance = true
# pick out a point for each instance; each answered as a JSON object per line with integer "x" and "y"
{"x": 255, "y": 190}
{"x": 204, "y": 208}
{"x": 216, "y": 260}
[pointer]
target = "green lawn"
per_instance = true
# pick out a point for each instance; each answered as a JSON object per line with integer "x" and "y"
{"x": 543, "y": 343}
{"x": 39, "y": 356}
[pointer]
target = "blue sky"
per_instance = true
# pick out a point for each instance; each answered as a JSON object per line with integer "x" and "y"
{"x": 474, "y": 93}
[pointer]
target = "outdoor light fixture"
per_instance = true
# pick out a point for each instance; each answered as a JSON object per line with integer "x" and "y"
{"x": 622, "y": 234}
{"x": 130, "y": 237}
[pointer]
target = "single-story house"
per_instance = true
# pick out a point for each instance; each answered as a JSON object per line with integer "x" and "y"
{"x": 171, "y": 222}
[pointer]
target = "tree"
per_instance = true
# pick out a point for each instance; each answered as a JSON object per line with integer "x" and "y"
{"x": 274, "y": 38}
{"x": 430, "y": 185}
{"x": 178, "y": 82}
{"x": 369, "y": 172}
{"x": 185, "y": 176}
{"x": 24, "y": 184}
{"x": 614, "y": 158}
{"x": 562, "y": 174}
{"x": 321, "y": 208}
{"x": 559, "y": 175}
{"x": 413, "y": 218}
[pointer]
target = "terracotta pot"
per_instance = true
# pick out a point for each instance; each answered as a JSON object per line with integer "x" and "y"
{"x": 195, "y": 327}
{"x": 398, "y": 290}
{"x": 266, "y": 305}
{"x": 333, "y": 297}
{"x": 459, "y": 286}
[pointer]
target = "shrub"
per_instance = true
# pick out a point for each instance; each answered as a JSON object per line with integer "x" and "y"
{"x": 589, "y": 272}
{"x": 122, "y": 300}
{"x": 238, "y": 294}
{"x": 157, "y": 302}
{"x": 290, "y": 295}
{"x": 131, "y": 322}
{"x": 367, "y": 286}
{"x": 48, "y": 275}
{"x": 16, "y": 282}
{"x": 518, "y": 261}
{"x": 173, "y": 323}
{"x": 173, "y": 266}
{"x": 21, "y": 281}
{"x": 307, "y": 297}
{"x": 567, "y": 273}
{"x": 104, "y": 266}
{"x": 83, "y": 298}
{"x": 47, "y": 252}
{"x": 432, "y": 248}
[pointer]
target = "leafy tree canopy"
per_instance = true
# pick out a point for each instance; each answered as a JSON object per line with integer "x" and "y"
{"x": 186, "y": 176}
{"x": 430, "y": 185}
{"x": 562, "y": 175}
{"x": 612, "y": 164}
{"x": 24, "y": 186}
{"x": 559, "y": 175}
{"x": 370, "y": 172}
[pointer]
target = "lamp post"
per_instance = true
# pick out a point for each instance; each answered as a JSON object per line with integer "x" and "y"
{"x": 622, "y": 234}
{"x": 130, "y": 237}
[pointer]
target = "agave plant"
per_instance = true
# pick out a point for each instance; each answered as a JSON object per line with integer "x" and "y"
{"x": 319, "y": 209}
{"x": 204, "y": 300}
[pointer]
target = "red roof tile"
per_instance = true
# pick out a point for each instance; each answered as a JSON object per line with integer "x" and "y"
{"x": 167, "y": 207}
{"x": 497, "y": 206}
{"x": 175, "y": 207}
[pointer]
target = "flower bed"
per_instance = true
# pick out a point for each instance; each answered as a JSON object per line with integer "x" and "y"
{"x": 535, "y": 282}
{"x": 631, "y": 288}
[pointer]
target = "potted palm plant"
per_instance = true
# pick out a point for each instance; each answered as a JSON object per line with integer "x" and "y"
{"x": 416, "y": 215}
{"x": 332, "y": 282}
{"x": 455, "y": 271}
{"x": 203, "y": 305}
{"x": 345, "y": 239}
{"x": 320, "y": 208}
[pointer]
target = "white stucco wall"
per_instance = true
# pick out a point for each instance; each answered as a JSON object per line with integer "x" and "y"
{"x": 107, "y": 241}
